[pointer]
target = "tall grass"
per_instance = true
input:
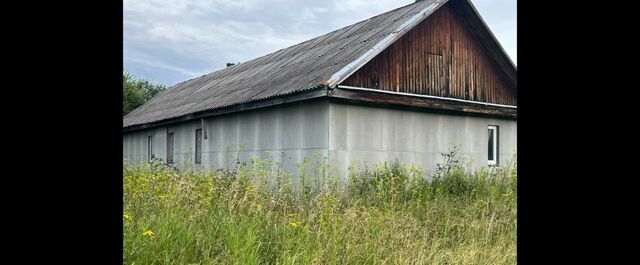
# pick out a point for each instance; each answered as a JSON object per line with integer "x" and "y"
{"x": 256, "y": 214}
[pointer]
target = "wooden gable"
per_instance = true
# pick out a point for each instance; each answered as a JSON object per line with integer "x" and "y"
{"x": 441, "y": 56}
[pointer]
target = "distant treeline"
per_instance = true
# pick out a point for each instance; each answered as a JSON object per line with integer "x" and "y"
{"x": 136, "y": 92}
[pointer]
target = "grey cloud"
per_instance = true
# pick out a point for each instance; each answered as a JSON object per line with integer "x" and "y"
{"x": 171, "y": 41}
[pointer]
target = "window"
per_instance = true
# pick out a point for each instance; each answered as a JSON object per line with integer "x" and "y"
{"x": 149, "y": 148}
{"x": 198, "y": 146}
{"x": 492, "y": 156}
{"x": 169, "y": 148}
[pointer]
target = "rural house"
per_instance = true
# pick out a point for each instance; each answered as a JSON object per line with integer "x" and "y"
{"x": 406, "y": 85}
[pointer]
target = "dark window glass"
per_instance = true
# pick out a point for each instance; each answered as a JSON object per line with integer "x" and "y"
{"x": 198, "y": 146}
{"x": 490, "y": 152}
{"x": 149, "y": 148}
{"x": 170, "y": 148}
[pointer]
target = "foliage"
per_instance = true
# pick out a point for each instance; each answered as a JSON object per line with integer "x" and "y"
{"x": 257, "y": 214}
{"x": 136, "y": 92}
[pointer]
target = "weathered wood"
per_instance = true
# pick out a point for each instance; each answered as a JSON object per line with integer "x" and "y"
{"x": 425, "y": 60}
{"x": 383, "y": 99}
{"x": 450, "y": 61}
{"x": 286, "y": 71}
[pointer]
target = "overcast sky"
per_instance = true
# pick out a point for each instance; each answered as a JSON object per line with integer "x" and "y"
{"x": 170, "y": 41}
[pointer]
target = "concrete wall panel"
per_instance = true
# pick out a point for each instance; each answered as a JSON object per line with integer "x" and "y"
{"x": 342, "y": 133}
{"x": 373, "y": 135}
{"x": 287, "y": 133}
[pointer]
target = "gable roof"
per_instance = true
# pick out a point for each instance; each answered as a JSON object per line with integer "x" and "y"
{"x": 324, "y": 61}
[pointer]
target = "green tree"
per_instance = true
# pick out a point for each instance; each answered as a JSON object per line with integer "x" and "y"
{"x": 136, "y": 92}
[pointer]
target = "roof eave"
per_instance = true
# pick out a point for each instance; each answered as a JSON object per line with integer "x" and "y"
{"x": 315, "y": 93}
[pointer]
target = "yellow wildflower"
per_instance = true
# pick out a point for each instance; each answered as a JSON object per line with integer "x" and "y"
{"x": 126, "y": 217}
{"x": 294, "y": 224}
{"x": 149, "y": 233}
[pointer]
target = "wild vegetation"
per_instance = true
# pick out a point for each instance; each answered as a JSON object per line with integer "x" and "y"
{"x": 257, "y": 214}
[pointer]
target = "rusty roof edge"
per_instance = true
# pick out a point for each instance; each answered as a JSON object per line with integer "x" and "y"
{"x": 350, "y": 68}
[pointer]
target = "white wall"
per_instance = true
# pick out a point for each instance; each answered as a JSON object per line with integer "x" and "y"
{"x": 341, "y": 133}
{"x": 373, "y": 134}
{"x": 289, "y": 132}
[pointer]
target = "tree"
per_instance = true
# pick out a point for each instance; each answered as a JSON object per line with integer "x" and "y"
{"x": 136, "y": 92}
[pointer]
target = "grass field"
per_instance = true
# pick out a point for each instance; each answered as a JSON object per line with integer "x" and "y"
{"x": 255, "y": 214}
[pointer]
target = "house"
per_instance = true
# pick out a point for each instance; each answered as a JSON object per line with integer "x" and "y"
{"x": 406, "y": 85}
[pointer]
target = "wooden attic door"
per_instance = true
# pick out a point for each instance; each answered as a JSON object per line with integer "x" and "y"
{"x": 441, "y": 56}
{"x": 436, "y": 69}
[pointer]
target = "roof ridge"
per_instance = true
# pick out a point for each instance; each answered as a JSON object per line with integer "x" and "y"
{"x": 262, "y": 77}
{"x": 305, "y": 41}
{"x": 397, "y": 33}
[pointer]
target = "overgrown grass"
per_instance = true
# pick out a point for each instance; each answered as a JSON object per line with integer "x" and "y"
{"x": 390, "y": 214}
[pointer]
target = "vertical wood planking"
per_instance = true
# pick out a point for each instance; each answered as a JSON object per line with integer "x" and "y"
{"x": 440, "y": 57}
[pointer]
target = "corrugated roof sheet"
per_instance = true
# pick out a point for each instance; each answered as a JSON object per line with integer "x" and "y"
{"x": 301, "y": 67}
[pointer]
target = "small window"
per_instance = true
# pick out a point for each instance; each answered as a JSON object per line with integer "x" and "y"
{"x": 492, "y": 156}
{"x": 198, "y": 159}
{"x": 169, "y": 148}
{"x": 149, "y": 148}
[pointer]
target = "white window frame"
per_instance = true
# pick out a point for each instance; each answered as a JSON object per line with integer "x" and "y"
{"x": 494, "y": 162}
